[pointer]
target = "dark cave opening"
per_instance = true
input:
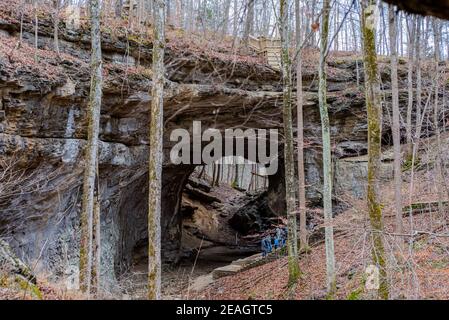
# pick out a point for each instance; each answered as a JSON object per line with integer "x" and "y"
{"x": 203, "y": 226}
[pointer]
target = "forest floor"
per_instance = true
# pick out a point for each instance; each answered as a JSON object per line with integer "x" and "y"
{"x": 419, "y": 270}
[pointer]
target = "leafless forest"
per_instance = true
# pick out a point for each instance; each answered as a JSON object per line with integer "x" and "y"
{"x": 95, "y": 96}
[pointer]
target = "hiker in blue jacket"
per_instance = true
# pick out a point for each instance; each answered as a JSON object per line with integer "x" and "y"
{"x": 278, "y": 239}
{"x": 266, "y": 246}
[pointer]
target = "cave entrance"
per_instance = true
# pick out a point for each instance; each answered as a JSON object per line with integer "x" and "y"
{"x": 223, "y": 204}
{"x": 236, "y": 172}
{"x": 212, "y": 196}
{"x": 212, "y": 215}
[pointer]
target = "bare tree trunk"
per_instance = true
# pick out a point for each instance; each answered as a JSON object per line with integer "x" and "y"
{"x": 155, "y": 158}
{"x": 257, "y": 176}
{"x": 438, "y": 164}
{"x": 251, "y": 181}
{"x": 203, "y": 168}
{"x": 227, "y": 7}
{"x": 346, "y": 41}
{"x": 396, "y": 119}
{"x": 87, "y": 211}
{"x": 265, "y": 19}
{"x": 313, "y": 39}
{"x": 354, "y": 35}
{"x": 218, "y": 177}
{"x": 21, "y": 23}
{"x": 189, "y": 16}
{"x": 336, "y": 18}
{"x": 36, "y": 28}
{"x": 290, "y": 185}
{"x": 411, "y": 35}
{"x": 214, "y": 173}
{"x": 249, "y": 21}
{"x": 168, "y": 11}
{"x": 384, "y": 34}
{"x": 401, "y": 36}
{"x": 236, "y": 174}
{"x": 179, "y": 14}
{"x": 235, "y": 21}
{"x": 327, "y": 163}
{"x": 57, "y": 5}
{"x": 96, "y": 233}
{"x": 222, "y": 166}
{"x": 374, "y": 110}
{"x": 118, "y": 8}
{"x": 242, "y": 174}
{"x": 228, "y": 172}
{"x": 418, "y": 81}
{"x": 300, "y": 141}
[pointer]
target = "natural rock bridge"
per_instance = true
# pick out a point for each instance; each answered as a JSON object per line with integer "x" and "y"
{"x": 43, "y": 131}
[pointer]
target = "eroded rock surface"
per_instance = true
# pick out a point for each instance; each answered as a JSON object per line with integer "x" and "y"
{"x": 43, "y": 132}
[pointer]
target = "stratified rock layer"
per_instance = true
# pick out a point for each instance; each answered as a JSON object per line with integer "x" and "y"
{"x": 43, "y": 132}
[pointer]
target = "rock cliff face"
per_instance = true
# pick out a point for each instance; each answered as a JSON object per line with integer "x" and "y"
{"x": 43, "y": 132}
{"x": 438, "y": 9}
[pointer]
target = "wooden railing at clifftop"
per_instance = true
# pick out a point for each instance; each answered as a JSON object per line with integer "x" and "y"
{"x": 270, "y": 49}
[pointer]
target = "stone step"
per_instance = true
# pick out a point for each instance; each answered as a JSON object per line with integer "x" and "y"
{"x": 225, "y": 271}
{"x": 245, "y": 264}
{"x": 235, "y": 267}
{"x": 247, "y": 260}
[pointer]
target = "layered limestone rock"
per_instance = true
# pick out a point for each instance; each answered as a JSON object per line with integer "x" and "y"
{"x": 438, "y": 9}
{"x": 352, "y": 173}
{"x": 43, "y": 132}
